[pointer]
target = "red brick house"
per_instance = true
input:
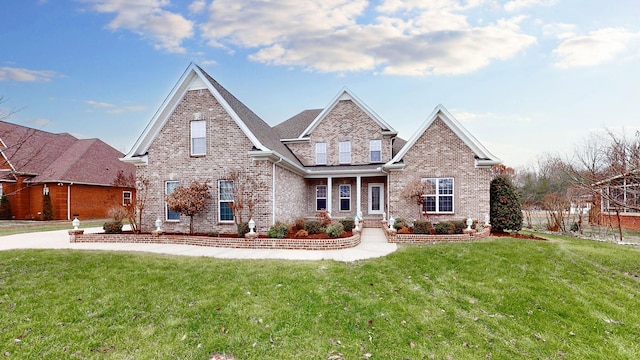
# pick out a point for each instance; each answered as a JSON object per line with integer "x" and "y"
{"x": 343, "y": 158}
{"x": 78, "y": 174}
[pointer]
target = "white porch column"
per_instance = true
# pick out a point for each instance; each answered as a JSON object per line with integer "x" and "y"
{"x": 358, "y": 194}
{"x": 329, "y": 190}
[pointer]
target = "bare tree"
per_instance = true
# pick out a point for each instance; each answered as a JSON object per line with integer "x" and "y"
{"x": 416, "y": 191}
{"x": 127, "y": 181}
{"x": 190, "y": 200}
{"x": 245, "y": 194}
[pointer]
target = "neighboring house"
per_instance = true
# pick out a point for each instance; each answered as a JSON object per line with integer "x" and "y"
{"x": 344, "y": 159}
{"x": 620, "y": 200}
{"x": 77, "y": 174}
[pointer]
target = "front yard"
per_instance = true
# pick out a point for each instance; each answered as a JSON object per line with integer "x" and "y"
{"x": 497, "y": 298}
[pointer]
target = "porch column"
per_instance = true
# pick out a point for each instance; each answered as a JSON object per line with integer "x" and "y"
{"x": 329, "y": 189}
{"x": 358, "y": 195}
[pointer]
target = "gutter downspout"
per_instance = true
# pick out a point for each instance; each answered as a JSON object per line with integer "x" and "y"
{"x": 273, "y": 191}
{"x": 387, "y": 204}
{"x": 69, "y": 201}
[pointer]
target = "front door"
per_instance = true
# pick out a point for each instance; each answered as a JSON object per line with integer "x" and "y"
{"x": 376, "y": 198}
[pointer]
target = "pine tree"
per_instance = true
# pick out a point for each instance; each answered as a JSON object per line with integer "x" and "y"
{"x": 5, "y": 208}
{"x": 47, "y": 208}
{"x": 505, "y": 207}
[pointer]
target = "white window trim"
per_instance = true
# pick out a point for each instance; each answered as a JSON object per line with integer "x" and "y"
{"x": 166, "y": 206}
{"x": 192, "y": 137}
{"x": 343, "y": 198}
{"x": 220, "y": 201}
{"x": 325, "y": 197}
{"x": 373, "y": 148}
{"x": 124, "y": 198}
{"x": 437, "y": 195}
{"x": 321, "y": 146}
{"x": 346, "y": 151}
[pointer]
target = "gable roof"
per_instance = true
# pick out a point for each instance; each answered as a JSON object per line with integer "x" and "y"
{"x": 346, "y": 94}
{"x": 264, "y": 138}
{"x": 296, "y": 124}
{"x": 483, "y": 157}
{"x": 49, "y": 157}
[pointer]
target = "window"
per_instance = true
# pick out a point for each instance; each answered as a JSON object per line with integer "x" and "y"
{"x": 321, "y": 153}
{"x": 198, "y": 137}
{"x": 375, "y": 150}
{"x": 170, "y": 214}
{"x": 225, "y": 200}
{"x": 126, "y": 198}
{"x": 321, "y": 197}
{"x": 345, "y": 152}
{"x": 345, "y": 197}
{"x": 440, "y": 199}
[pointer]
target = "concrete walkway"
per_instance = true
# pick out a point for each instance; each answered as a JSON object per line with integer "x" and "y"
{"x": 373, "y": 244}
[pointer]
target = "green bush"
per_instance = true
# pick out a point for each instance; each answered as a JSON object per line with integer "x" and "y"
{"x": 444, "y": 227}
{"x": 313, "y": 226}
{"x": 422, "y": 227}
{"x": 112, "y": 227}
{"x": 400, "y": 222}
{"x": 348, "y": 224}
{"x": 334, "y": 230}
{"x": 505, "y": 210}
{"x": 243, "y": 228}
{"x": 47, "y": 208}
{"x": 278, "y": 230}
{"x": 459, "y": 226}
{"x": 5, "y": 208}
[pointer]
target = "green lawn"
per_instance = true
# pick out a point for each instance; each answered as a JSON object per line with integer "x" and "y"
{"x": 500, "y": 299}
{"x": 8, "y": 227}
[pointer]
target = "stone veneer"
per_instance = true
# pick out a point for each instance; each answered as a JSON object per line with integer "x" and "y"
{"x": 238, "y": 243}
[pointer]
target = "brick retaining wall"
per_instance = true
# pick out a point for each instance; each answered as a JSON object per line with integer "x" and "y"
{"x": 238, "y": 243}
{"x": 432, "y": 239}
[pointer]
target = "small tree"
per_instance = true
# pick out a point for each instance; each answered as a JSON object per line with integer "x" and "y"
{"x": 47, "y": 208}
{"x": 5, "y": 208}
{"x": 129, "y": 181}
{"x": 505, "y": 208}
{"x": 190, "y": 200}
{"x": 416, "y": 191}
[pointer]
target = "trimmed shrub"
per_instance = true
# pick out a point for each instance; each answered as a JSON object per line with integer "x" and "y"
{"x": 112, "y": 227}
{"x": 400, "y": 222}
{"x": 444, "y": 227}
{"x": 302, "y": 233}
{"x": 348, "y": 224}
{"x": 278, "y": 230}
{"x": 404, "y": 230}
{"x": 459, "y": 226}
{"x": 323, "y": 217}
{"x": 313, "y": 226}
{"x": 422, "y": 227}
{"x": 505, "y": 210}
{"x": 298, "y": 224}
{"x": 5, "y": 208}
{"x": 47, "y": 208}
{"x": 243, "y": 228}
{"x": 334, "y": 230}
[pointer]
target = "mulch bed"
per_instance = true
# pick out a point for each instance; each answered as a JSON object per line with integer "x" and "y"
{"x": 517, "y": 236}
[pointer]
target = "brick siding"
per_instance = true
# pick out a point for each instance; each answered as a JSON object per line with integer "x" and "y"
{"x": 238, "y": 243}
{"x": 439, "y": 153}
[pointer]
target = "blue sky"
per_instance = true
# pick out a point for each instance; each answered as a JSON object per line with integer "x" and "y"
{"x": 525, "y": 77}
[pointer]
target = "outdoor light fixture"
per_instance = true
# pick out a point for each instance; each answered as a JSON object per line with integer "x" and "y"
{"x": 391, "y": 222}
{"x": 252, "y": 225}
{"x": 158, "y": 224}
{"x": 469, "y": 223}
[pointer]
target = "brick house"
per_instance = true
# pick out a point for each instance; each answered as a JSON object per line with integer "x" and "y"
{"x": 77, "y": 174}
{"x": 344, "y": 159}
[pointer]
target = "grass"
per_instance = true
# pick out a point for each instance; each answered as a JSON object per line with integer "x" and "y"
{"x": 9, "y": 227}
{"x": 500, "y": 298}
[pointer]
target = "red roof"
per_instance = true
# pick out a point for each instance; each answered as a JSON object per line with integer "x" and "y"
{"x": 52, "y": 157}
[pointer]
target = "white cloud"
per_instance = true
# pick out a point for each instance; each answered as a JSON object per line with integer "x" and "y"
{"x": 197, "y": 6}
{"x": 518, "y": 5}
{"x": 113, "y": 109}
{"x": 597, "y": 47}
{"x": 559, "y": 30}
{"x": 147, "y": 18}
{"x": 26, "y": 75}
{"x": 99, "y": 104}
{"x": 406, "y": 38}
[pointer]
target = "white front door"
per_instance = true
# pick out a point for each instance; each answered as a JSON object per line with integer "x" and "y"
{"x": 376, "y": 198}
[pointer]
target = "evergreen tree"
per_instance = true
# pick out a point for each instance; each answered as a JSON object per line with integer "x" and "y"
{"x": 5, "y": 208}
{"x": 47, "y": 208}
{"x": 505, "y": 208}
